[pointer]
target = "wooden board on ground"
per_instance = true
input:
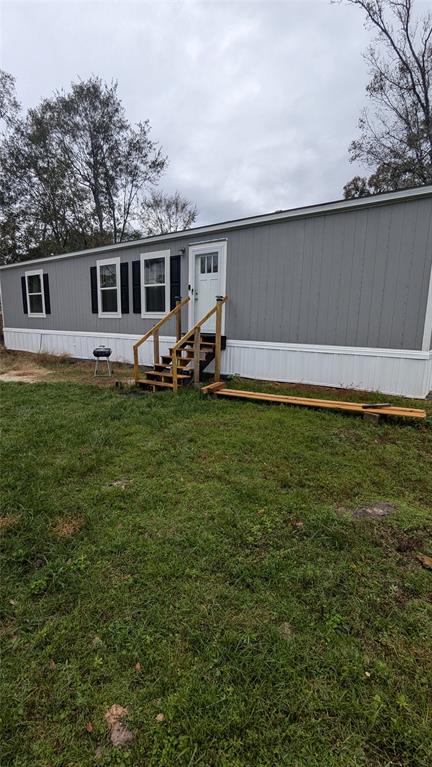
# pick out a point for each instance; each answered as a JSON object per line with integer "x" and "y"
{"x": 213, "y": 387}
{"x": 219, "y": 390}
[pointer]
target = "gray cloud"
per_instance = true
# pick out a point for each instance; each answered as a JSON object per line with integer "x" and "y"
{"x": 254, "y": 102}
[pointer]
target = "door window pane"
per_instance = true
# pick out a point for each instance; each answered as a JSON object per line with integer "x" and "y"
{"x": 209, "y": 263}
{"x": 155, "y": 298}
{"x": 36, "y": 306}
{"x": 109, "y": 300}
{"x": 154, "y": 271}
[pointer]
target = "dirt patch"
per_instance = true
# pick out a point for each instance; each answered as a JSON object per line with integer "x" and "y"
{"x": 27, "y": 367}
{"x": 286, "y": 630}
{"x": 122, "y": 483}
{"x": 9, "y": 520}
{"x": 406, "y": 543}
{"x": 65, "y": 528}
{"x": 8, "y": 628}
{"x": 27, "y": 375}
{"x": 401, "y": 596}
{"x": 119, "y": 733}
{"x": 385, "y": 439}
{"x": 375, "y": 511}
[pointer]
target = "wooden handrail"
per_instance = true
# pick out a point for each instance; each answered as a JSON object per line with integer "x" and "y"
{"x": 199, "y": 323}
{"x": 154, "y": 331}
{"x": 161, "y": 322}
{"x": 195, "y": 331}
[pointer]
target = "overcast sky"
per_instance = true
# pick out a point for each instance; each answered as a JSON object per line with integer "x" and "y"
{"x": 255, "y": 103}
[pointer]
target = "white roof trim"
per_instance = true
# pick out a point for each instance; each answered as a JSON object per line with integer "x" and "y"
{"x": 284, "y": 215}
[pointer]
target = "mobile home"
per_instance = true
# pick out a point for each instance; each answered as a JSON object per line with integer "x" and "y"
{"x": 338, "y": 294}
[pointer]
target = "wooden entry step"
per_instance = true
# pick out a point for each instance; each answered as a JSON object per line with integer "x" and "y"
{"x": 165, "y": 369}
{"x": 370, "y": 411}
{"x": 167, "y": 374}
{"x": 191, "y": 355}
{"x": 167, "y": 361}
{"x": 190, "y": 351}
{"x": 150, "y": 382}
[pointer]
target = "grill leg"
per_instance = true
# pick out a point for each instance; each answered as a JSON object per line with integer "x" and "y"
{"x": 96, "y": 370}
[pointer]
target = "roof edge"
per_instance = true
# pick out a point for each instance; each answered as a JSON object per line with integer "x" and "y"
{"x": 283, "y": 215}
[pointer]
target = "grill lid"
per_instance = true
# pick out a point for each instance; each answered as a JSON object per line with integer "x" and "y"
{"x": 102, "y": 351}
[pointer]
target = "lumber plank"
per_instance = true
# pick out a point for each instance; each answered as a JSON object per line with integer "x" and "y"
{"x": 354, "y": 407}
{"x": 213, "y": 387}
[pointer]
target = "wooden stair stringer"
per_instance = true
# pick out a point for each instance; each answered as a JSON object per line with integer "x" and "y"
{"x": 161, "y": 375}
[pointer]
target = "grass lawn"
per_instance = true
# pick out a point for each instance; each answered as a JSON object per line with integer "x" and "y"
{"x": 193, "y": 561}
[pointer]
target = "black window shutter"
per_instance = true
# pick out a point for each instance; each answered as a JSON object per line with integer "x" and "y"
{"x": 93, "y": 286}
{"x": 47, "y": 294}
{"x": 174, "y": 280}
{"x": 124, "y": 288}
{"x": 24, "y": 295}
{"x": 136, "y": 287}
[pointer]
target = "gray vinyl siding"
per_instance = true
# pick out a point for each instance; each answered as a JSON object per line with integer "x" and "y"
{"x": 354, "y": 278}
{"x": 70, "y": 294}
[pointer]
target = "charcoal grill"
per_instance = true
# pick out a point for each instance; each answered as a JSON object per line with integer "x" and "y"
{"x": 102, "y": 353}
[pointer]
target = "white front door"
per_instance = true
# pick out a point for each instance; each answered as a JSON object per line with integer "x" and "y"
{"x": 208, "y": 281}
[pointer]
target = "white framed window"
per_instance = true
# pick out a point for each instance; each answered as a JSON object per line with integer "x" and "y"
{"x": 35, "y": 293}
{"x": 108, "y": 287}
{"x": 155, "y": 285}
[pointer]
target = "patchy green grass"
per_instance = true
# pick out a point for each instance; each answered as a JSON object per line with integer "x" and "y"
{"x": 205, "y": 541}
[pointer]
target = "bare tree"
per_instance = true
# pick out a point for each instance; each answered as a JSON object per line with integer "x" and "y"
{"x": 396, "y": 135}
{"x": 167, "y": 213}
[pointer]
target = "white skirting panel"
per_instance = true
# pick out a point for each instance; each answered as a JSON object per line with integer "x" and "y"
{"x": 81, "y": 344}
{"x": 390, "y": 371}
{"x": 428, "y": 375}
{"x": 387, "y": 370}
